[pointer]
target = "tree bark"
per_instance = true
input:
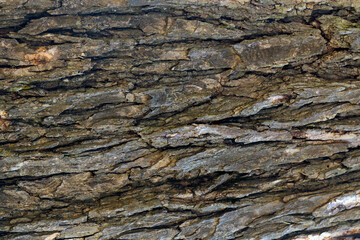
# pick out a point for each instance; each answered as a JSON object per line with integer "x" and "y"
{"x": 164, "y": 119}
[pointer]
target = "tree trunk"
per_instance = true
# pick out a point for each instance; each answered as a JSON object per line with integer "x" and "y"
{"x": 164, "y": 119}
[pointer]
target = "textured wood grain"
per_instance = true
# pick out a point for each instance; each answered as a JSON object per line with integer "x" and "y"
{"x": 188, "y": 119}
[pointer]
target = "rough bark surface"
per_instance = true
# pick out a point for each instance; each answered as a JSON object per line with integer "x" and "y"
{"x": 165, "y": 119}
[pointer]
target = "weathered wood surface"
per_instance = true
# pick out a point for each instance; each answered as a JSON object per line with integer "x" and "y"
{"x": 133, "y": 119}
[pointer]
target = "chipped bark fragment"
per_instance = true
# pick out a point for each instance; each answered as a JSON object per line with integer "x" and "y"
{"x": 42, "y": 56}
{"x": 52, "y": 236}
{"x": 4, "y": 124}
